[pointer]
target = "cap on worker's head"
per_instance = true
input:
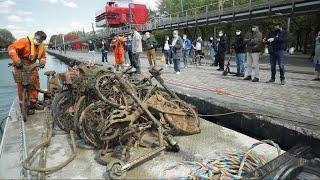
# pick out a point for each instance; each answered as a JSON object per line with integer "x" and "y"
{"x": 42, "y": 35}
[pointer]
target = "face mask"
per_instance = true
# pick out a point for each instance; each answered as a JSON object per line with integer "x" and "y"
{"x": 220, "y": 34}
{"x": 175, "y": 35}
{"x": 254, "y": 29}
{"x": 35, "y": 42}
{"x": 184, "y": 38}
{"x": 211, "y": 38}
{"x": 167, "y": 39}
{"x": 147, "y": 35}
{"x": 238, "y": 33}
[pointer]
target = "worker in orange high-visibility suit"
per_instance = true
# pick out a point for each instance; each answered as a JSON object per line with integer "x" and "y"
{"x": 117, "y": 44}
{"x": 25, "y": 52}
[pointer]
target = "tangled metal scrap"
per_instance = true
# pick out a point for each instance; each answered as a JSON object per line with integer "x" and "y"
{"x": 113, "y": 111}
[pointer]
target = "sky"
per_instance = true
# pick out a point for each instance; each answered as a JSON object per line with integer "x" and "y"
{"x": 24, "y": 17}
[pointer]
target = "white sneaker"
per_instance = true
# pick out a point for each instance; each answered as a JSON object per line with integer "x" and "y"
{"x": 178, "y": 72}
{"x": 166, "y": 65}
{"x": 186, "y": 67}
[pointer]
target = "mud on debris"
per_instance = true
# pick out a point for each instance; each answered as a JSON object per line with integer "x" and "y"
{"x": 113, "y": 111}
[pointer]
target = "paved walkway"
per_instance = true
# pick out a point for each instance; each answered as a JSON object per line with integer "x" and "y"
{"x": 298, "y": 100}
{"x": 298, "y": 63}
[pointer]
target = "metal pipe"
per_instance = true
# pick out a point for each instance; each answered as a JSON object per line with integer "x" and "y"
{"x": 141, "y": 158}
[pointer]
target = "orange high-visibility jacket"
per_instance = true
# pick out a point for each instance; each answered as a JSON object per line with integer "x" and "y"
{"x": 22, "y": 49}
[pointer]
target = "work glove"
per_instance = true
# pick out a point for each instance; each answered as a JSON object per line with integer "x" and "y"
{"x": 18, "y": 65}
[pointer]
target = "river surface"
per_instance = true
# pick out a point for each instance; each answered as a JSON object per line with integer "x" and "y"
{"x": 8, "y": 90}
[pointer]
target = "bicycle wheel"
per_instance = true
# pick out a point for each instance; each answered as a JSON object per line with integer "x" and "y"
{"x": 63, "y": 110}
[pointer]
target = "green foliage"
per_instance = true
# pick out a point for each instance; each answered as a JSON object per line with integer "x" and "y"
{"x": 303, "y": 28}
{"x": 6, "y": 38}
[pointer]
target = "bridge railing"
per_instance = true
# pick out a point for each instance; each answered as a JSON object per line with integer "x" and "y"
{"x": 230, "y": 7}
{"x": 214, "y": 9}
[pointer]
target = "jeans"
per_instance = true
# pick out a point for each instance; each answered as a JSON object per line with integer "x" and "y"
{"x": 277, "y": 57}
{"x": 166, "y": 55}
{"x": 126, "y": 57}
{"x": 212, "y": 55}
{"x": 186, "y": 56}
{"x": 176, "y": 65}
{"x": 130, "y": 57}
{"x": 240, "y": 63}
{"x": 253, "y": 64}
{"x": 136, "y": 62}
{"x": 92, "y": 60}
{"x": 171, "y": 56}
{"x": 104, "y": 56}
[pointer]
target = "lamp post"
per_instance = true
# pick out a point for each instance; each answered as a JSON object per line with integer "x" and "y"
{"x": 181, "y": 6}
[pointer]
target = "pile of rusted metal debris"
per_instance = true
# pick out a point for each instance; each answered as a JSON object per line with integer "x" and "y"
{"x": 113, "y": 111}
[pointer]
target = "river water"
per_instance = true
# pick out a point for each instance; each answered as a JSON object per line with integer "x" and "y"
{"x": 8, "y": 90}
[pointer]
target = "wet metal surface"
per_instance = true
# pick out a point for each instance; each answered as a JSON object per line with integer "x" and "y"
{"x": 212, "y": 141}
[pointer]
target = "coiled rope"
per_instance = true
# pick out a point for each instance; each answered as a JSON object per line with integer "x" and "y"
{"x": 228, "y": 165}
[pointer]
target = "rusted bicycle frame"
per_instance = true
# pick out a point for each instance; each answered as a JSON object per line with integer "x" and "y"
{"x": 113, "y": 111}
{"x": 26, "y": 79}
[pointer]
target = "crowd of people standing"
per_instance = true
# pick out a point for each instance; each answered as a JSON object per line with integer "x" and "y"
{"x": 248, "y": 47}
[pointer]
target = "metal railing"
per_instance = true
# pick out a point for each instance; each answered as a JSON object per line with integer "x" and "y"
{"x": 203, "y": 14}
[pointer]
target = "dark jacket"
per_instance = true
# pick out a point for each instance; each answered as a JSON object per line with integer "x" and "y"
{"x": 91, "y": 47}
{"x": 222, "y": 46}
{"x": 280, "y": 41}
{"x": 104, "y": 48}
{"x": 177, "y": 48}
{"x": 255, "y": 43}
{"x": 150, "y": 43}
{"x": 239, "y": 45}
{"x": 213, "y": 44}
{"x": 128, "y": 46}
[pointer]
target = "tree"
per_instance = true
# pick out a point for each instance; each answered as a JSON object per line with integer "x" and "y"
{"x": 302, "y": 33}
{"x": 6, "y": 38}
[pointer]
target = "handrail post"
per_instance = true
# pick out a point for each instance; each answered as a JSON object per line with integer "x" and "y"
{"x": 207, "y": 15}
{"x": 170, "y": 22}
{"x": 269, "y": 8}
{"x": 186, "y": 18}
{"x": 250, "y": 11}
{"x": 178, "y": 19}
{"x": 233, "y": 14}
{"x": 196, "y": 18}
{"x": 219, "y": 8}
